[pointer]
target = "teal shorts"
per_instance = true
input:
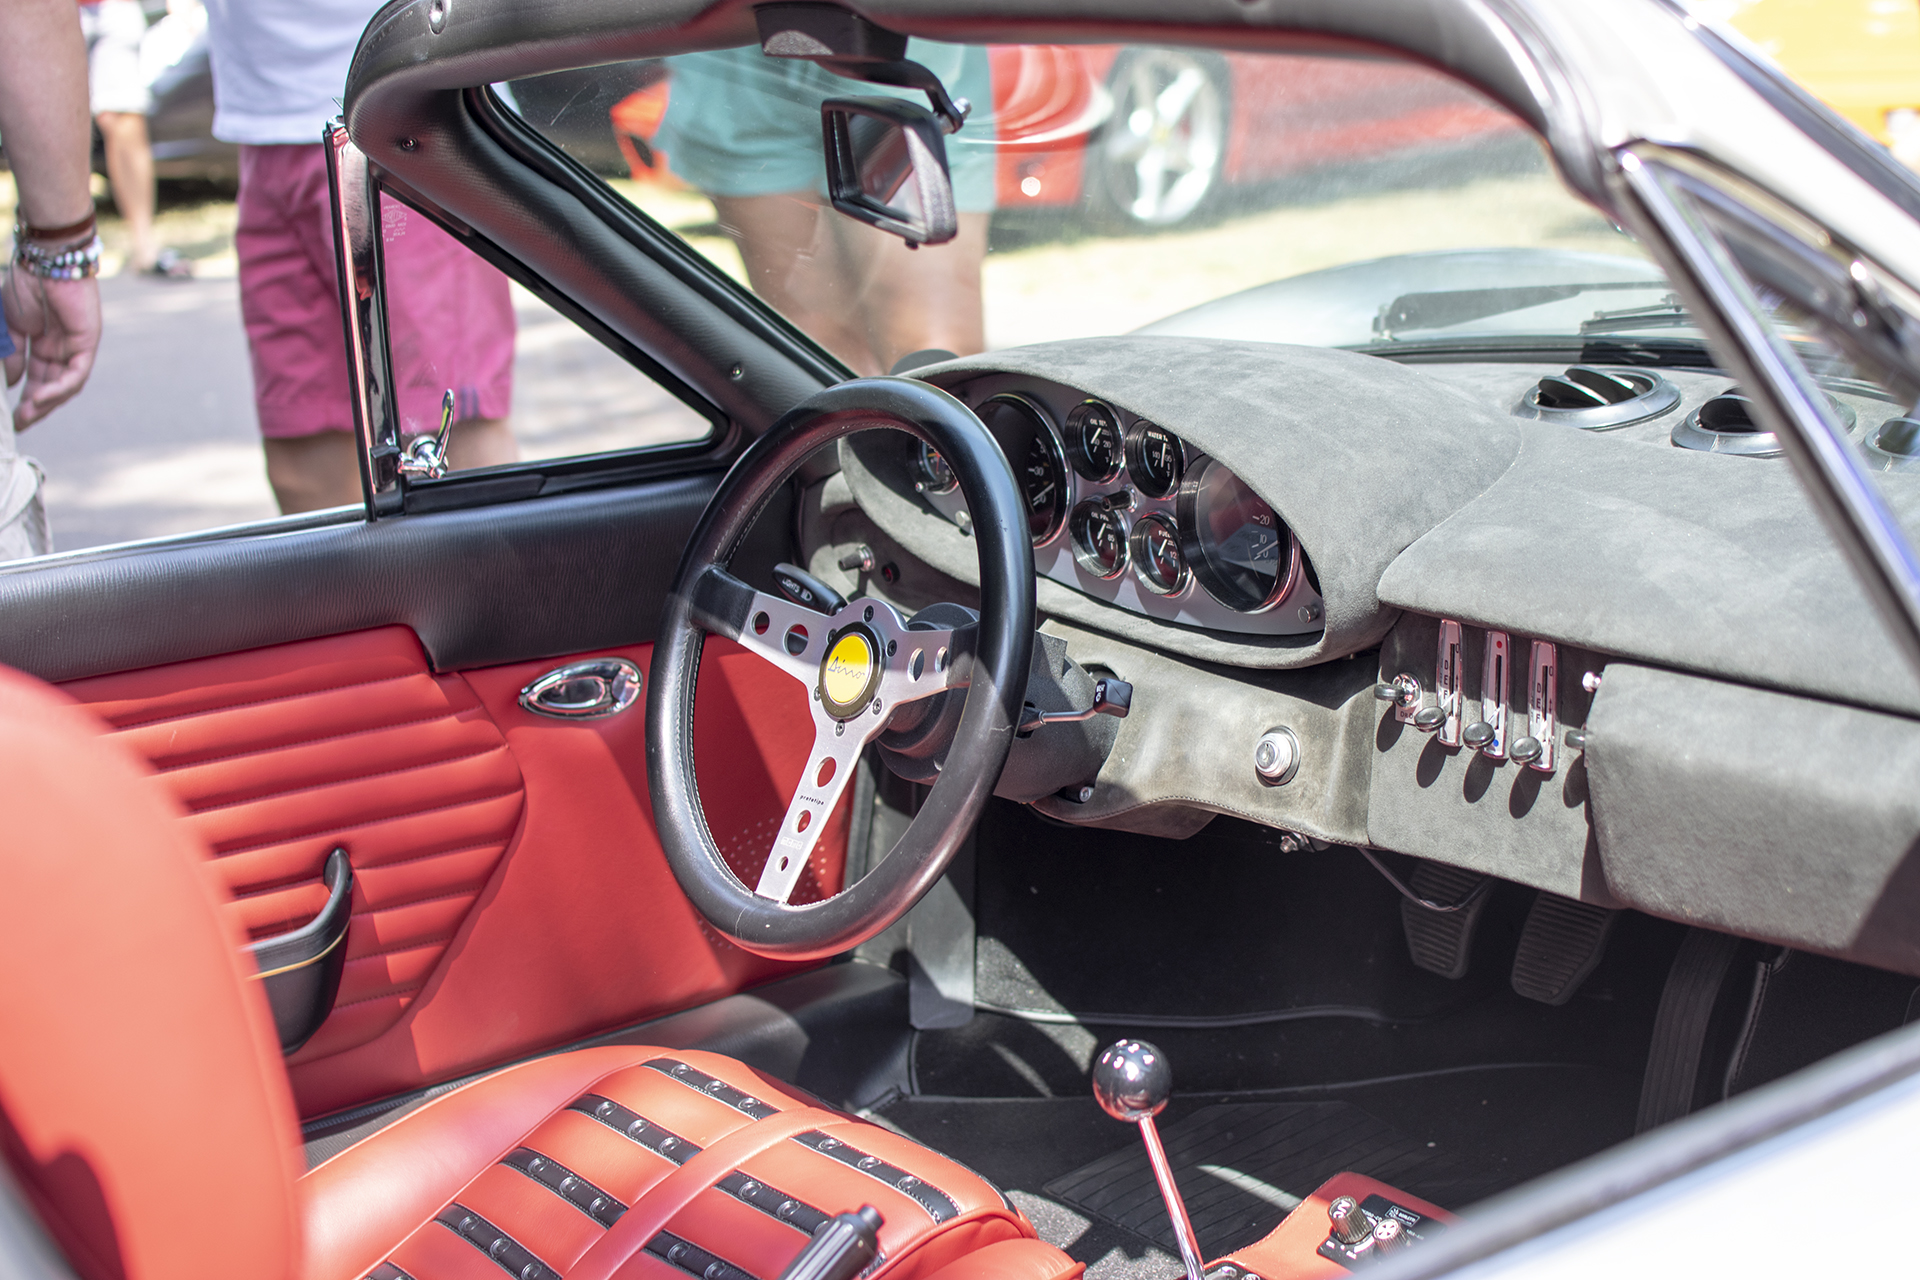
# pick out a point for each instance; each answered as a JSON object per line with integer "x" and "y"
{"x": 739, "y": 123}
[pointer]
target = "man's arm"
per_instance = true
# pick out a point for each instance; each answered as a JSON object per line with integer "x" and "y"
{"x": 44, "y": 125}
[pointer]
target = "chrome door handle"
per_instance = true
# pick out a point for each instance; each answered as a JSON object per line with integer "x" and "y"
{"x": 590, "y": 690}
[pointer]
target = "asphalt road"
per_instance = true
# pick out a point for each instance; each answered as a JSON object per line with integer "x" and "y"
{"x": 163, "y": 440}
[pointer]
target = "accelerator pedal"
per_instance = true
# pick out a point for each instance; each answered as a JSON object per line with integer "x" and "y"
{"x": 1560, "y": 946}
{"x": 1441, "y": 941}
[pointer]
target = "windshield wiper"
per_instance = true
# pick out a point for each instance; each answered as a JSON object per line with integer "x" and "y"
{"x": 1438, "y": 310}
{"x": 1665, "y": 314}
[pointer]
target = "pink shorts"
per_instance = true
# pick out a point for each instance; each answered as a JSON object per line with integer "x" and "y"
{"x": 449, "y": 315}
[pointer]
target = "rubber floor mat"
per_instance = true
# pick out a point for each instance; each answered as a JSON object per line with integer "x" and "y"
{"x": 1243, "y": 1166}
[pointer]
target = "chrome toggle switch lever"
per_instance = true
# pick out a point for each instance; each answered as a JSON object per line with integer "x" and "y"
{"x": 426, "y": 458}
{"x": 1132, "y": 1082}
{"x": 1403, "y": 691}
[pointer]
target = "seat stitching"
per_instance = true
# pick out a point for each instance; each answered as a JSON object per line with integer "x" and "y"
{"x": 261, "y": 702}
{"x": 371, "y": 822}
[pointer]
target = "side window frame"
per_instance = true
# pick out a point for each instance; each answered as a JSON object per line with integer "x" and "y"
{"x": 356, "y": 189}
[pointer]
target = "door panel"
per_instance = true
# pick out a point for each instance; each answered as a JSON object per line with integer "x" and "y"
{"x": 510, "y": 891}
{"x": 279, "y": 755}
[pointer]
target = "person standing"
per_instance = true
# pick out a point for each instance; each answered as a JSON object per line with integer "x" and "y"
{"x": 279, "y": 71}
{"x": 118, "y": 97}
{"x": 50, "y": 298}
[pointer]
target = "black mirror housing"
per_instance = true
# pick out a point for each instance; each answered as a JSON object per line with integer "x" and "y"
{"x": 887, "y": 167}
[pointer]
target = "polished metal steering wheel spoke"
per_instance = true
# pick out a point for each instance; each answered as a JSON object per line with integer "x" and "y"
{"x": 866, "y": 662}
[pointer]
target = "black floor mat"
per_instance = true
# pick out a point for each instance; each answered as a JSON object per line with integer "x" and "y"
{"x": 1243, "y": 1166}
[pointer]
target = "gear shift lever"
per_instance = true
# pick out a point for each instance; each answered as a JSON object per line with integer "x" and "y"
{"x": 1131, "y": 1082}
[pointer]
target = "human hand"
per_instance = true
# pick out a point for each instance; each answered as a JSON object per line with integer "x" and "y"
{"x": 56, "y": 326}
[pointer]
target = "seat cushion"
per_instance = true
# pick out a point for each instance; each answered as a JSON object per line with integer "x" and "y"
{"x": 646, "y": 1163}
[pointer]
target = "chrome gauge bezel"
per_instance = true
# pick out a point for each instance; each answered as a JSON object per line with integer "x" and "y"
{"x": 1089, "y": 562}
{"x": 1071, "y": 432}
{"x": 1136, "y": 541}
{"x": 1186, "y": 521}
{"x": 1057, "y": 559}
{"x": 925, "y": 478}
{"x": 1050, "y": 433}
{"x": 1136, "y": 434}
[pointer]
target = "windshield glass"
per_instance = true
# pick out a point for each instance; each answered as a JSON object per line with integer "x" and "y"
{"x": 1103, "y": 189}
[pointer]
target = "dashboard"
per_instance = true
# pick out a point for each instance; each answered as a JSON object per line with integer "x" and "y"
{"x": 1127, "y": 511}
{"x": 1608, "y": 618}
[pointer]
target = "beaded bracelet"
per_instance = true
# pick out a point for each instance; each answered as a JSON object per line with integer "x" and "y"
{"x": 80, "y": 262}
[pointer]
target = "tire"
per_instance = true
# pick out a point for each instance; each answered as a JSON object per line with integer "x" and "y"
{"x": 1160, "y": 159}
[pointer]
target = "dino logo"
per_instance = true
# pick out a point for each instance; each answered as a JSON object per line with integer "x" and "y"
{"x": 849, "y": 672}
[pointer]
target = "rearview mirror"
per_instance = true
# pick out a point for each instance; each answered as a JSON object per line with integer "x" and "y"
{"x": 887, "y": 166}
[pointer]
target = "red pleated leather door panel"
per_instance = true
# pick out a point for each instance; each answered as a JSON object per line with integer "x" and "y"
{"x": 282, "y": 754}
{"x": 510, "y": 891}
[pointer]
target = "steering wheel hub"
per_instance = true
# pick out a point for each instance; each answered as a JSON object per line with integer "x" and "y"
{"x": 850, "y": 671}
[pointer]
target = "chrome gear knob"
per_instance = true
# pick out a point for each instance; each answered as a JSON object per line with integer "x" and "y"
{"x": 1132, "y": 1081}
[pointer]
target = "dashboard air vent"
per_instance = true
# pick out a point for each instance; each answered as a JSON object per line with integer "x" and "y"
{"x": 1895, "y": 446}
{"x": 1725, "y": 424}
{"x": 1598, "y": 399}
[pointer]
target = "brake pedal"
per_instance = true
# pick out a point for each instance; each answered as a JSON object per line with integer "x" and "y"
{"x": 1560, "y": 946}
{"x": 1440, "y": 941}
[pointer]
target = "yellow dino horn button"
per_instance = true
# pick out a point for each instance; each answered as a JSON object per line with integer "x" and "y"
{"x": 850, "y": 672}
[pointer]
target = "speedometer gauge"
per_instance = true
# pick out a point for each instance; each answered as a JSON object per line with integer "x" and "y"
{"x": 1093, "y": 441}
{"x": 1238, "y": 548}
{"x": 1030, "y": 443}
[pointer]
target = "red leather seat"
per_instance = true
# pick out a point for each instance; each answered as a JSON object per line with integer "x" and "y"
{"x": 145, "y": 1114}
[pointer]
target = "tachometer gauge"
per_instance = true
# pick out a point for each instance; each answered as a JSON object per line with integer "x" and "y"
{"x": 1238, "y": 548}
{"x": 1093, "y": 441}
{"x": 1099, "y": 539}
{"x": 1155, "y": 459}
{"x": 1031, "y": 445}
{"x": 1156, "y": 556}
{"x": 931, "y": 474}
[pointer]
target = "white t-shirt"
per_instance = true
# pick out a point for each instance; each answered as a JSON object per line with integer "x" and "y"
{"x": 280, "y": 66}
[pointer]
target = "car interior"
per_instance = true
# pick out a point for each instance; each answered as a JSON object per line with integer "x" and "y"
{"x": 1378, "y": 752}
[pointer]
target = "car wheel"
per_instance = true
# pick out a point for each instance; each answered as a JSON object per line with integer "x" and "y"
{"x": 1158, "y": 162}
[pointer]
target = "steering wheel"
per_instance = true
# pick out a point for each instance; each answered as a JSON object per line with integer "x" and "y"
{"x": 861, "y": 664}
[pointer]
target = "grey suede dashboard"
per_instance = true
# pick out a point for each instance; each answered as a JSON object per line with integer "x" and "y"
{"x": 1418, "y": 493}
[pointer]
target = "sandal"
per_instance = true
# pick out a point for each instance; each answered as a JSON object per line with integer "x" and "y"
{"x": 170, "y": 265}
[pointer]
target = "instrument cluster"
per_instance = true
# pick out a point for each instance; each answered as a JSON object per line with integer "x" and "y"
{"x": 1124, "y": 510}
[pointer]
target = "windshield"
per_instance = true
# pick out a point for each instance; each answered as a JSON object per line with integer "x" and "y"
{"x": 1103, "y": 189}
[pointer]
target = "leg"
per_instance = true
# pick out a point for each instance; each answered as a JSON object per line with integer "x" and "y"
{"x": 130, "y": 172}
{"x": 481, "y": 442}
{"x": 314, "y": 472}
{"x": 794, "y": 261}
{"x": 919, "y": 298}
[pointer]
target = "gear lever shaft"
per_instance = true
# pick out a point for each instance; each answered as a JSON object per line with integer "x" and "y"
{"x": 1131, "y": 1082}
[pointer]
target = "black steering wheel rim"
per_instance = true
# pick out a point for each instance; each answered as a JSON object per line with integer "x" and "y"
{"x": 993, "y": 698}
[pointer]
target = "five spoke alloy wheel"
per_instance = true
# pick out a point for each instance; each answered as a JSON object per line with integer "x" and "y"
{"x": 1159, "y": 159}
